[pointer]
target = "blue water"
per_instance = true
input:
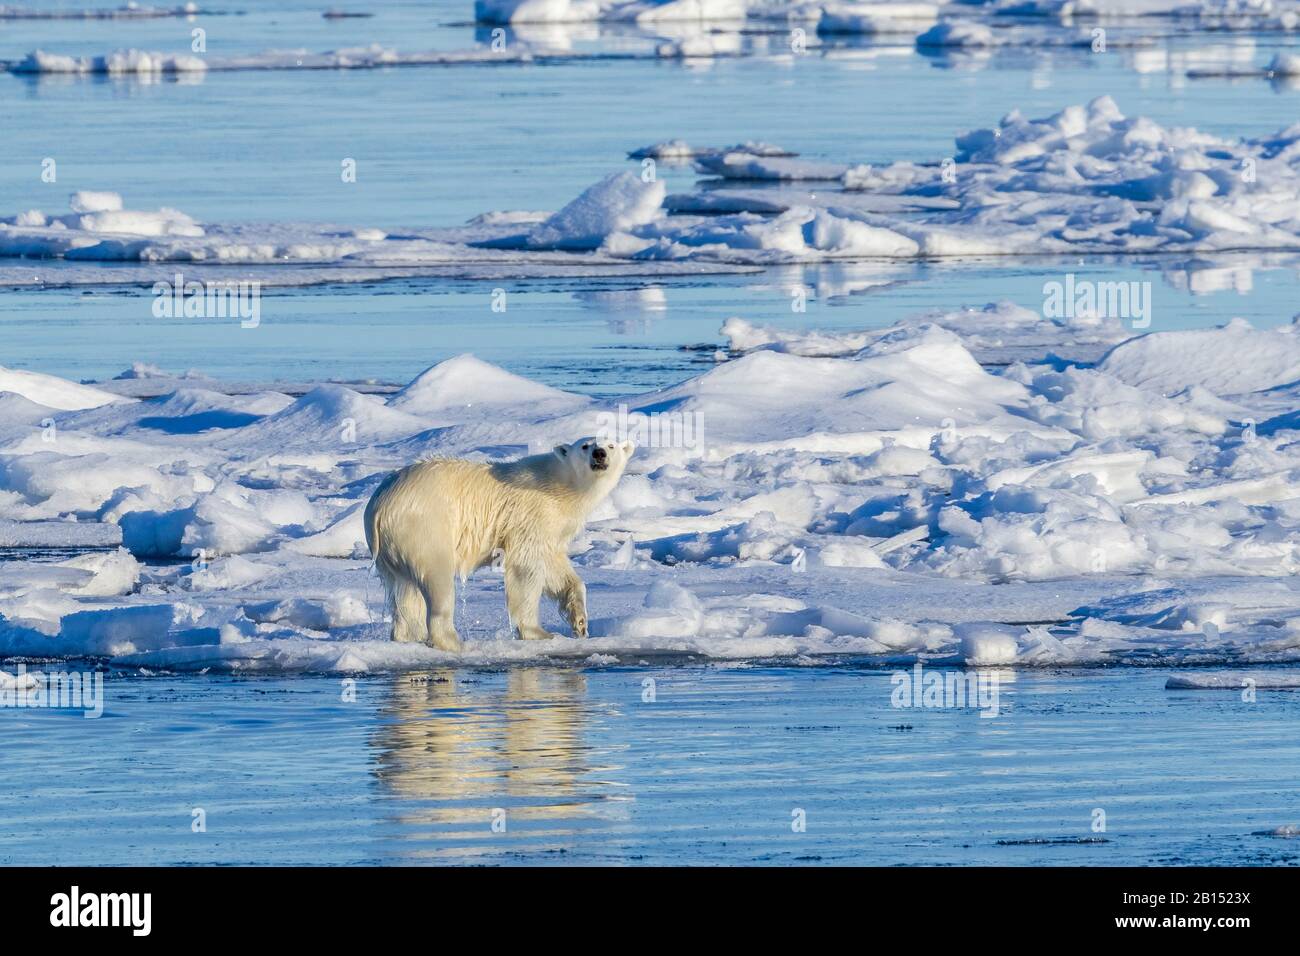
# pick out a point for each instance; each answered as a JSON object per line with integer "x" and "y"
{"x": 603, "y": 336}
{"x": 577, "y": 768}
{"x": 435, "y": 146}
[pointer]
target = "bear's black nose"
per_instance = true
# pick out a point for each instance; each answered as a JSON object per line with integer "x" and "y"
{"x": 598, "y": 455}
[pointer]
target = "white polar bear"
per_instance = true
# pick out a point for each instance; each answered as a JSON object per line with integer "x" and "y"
{"x": 445, "y": 517}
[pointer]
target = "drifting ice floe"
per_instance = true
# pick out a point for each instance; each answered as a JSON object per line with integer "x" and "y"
{"x": 996, "y": 333}
{"x": 130, "y": 11}
{"x": 1086, "y": 179}
{"x": 875, "y": 16}
{"x": 878, "y": 494}
{"x": 121, "y": 62}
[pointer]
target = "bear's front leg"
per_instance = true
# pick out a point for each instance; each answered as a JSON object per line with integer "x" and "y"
{"x": 564, "y": 585}
{"x": 572, "y": 595}
{"x": 523, "y": 597}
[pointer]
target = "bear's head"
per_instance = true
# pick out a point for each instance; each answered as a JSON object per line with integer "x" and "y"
{"x": 590, "y": 460}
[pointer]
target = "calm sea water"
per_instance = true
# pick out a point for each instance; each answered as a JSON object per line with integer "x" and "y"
{"x": 575, "y": 766}
{"x": 601, "y": 336}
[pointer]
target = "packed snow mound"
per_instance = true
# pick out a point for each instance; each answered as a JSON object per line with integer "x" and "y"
{"x": 615, "y": 204}
{"x": 52, "y": 392}
{"x": 330, "y": 416}
{"x": 188, "y": 410}
{"x": 465, "y": 387}
{"x": 192, "y": 403}
{"x": 908, "y": 379}
{"x": 229, "y": 520}
{"x": 15, "y": 410}
{"x": 1168, "y": 362}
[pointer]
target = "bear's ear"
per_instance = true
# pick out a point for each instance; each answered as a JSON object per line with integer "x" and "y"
{"x": 562, "y": 450}
{"x": 628, "y": 448}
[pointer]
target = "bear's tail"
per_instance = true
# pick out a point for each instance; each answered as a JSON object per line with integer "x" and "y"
{"x": 372, "y": 517}
{"x": 372, "y": 531}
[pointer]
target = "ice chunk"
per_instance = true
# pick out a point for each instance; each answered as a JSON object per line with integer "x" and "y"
{"x": 985, "y": 644}
{"x": 85, "y": 201}
{"x": 615, "y": 204}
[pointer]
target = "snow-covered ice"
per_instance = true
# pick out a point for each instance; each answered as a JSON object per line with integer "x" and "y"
{"x": 879, "y": 495}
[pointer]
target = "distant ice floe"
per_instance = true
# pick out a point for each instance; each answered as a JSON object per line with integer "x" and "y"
{"x": 679, "y": 151}
{"x": 876, "y": 16}
{"x": 997, "y": 333}
{"x": 1261, "y": 680}
{"x": 639, "y": 11}
{"x": 132, "y": 62}
{"x": 1085, "y": 179}
{"x": 961, "y": 35}
{"x": 877, "y": 495}
{"x": 129, "y": 11}
{"x": 112, "y": 64}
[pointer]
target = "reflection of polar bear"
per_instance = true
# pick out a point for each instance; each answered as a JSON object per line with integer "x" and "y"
{"x": 445, "y": 517}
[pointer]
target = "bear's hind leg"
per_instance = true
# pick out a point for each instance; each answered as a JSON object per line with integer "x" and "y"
{"x": 408, "y": 612}
{"x": 439, "y": 590}
{"x": 523, "y": 595}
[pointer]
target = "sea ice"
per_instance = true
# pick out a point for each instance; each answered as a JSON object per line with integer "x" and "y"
{"x": 871, "y": 494}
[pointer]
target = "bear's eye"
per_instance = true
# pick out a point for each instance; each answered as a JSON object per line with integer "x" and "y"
{"x": 584, "y": 447}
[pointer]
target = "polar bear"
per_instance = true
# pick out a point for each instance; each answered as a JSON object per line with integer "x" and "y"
{"x": 444, "y": 517}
